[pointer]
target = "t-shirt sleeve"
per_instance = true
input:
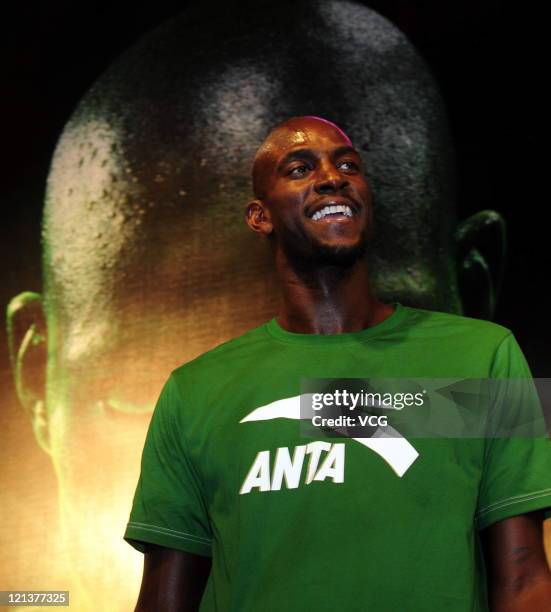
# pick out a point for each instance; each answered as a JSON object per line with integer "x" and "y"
{"x": 517, "y": 469}
{"x": 169, "y": 508}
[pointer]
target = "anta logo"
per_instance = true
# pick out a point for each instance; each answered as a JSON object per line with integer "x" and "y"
{"x": 389, "y": 444}
{"x": 314, "y": 461}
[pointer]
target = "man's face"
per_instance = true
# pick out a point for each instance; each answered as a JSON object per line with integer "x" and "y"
{"x": 315, "y": 191}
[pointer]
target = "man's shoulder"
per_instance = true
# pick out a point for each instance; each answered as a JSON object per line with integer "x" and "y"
{"x": 244, "y": 345}
{"x": 448, "y": 324}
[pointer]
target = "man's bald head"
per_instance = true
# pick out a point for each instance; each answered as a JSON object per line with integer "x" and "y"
{"x": 289, "y": 133}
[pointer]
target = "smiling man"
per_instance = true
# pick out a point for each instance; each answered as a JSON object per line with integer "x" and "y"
{"x": 332, "y": 215}
{"x": 236, "y": 510}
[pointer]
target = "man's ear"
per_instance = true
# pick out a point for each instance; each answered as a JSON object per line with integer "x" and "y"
{"x": 258, "y": 218}
{"x": 27, "y": 349}
{"x": 481, "y": 243}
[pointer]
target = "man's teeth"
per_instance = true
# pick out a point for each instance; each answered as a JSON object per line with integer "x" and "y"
{"x": 330, "y": 210}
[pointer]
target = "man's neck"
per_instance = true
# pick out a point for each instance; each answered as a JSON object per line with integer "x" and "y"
{"x": 328, "y": 299}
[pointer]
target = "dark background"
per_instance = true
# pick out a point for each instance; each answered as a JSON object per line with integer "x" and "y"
{"x": 484, "y": 54}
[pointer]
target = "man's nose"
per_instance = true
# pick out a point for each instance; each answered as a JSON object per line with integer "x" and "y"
{"x": 329, "y": 179}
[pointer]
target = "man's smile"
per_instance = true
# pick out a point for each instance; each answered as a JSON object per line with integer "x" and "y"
{"x": 334, "y": 209}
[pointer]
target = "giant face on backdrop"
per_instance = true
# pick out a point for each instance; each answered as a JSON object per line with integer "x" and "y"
{"x": 147, "y": 261}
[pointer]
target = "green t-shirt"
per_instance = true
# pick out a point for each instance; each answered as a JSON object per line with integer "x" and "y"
{"x": 326, "y": 524}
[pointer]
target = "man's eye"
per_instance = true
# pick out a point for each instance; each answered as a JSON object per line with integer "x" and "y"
{"x": 298, "y": 170}
{"x": 351, "y": 165}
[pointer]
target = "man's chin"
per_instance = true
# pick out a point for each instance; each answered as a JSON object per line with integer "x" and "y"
{"x": 304, "y": 251}
{"x": 321, "y": 255}
{"x": 338, "y": 255}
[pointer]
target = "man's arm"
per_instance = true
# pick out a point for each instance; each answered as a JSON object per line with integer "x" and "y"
{"x": 173, "y": 580}
{"x": 519, "y": 579}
